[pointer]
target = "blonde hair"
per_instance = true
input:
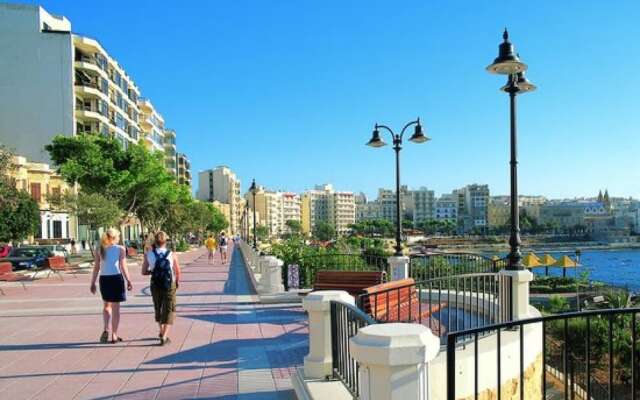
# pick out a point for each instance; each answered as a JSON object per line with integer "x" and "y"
{"x": 109, "y": 237}
{"x": 160, "y": 239}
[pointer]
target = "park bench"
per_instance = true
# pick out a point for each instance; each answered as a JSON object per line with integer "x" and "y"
{"x": 58, "y": 265}
{"x": 7, "y": 275}
{"x": 398, "y": 301}
{"x": 353, "y": 282}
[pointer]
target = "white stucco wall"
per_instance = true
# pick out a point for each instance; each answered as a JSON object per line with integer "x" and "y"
{"x": 36, "y": 80}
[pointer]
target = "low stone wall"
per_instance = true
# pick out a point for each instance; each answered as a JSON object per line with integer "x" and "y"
{"x": 487, "y": 366}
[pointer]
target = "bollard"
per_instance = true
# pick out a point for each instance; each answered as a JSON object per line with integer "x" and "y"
{"x": 398, "y": 267}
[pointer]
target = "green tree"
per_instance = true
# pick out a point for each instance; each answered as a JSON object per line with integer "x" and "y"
{"x": 294, "y": 226}
{"x": 324, "y": 231}
{"x": 93, "y": 210}
{"x": 262, "y": 232}
{"x": 19, "y": 213}
{"x": 135, "y": 178}
{"x": 217, "y": 221}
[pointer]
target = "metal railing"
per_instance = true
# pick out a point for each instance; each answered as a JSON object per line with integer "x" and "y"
{"x": 586, "y": 355}
{"x": 437, "y": 265}
{"x": 346, "y": 321}
{"x": 447, "y": 304}
{"x": 307, "y": 266}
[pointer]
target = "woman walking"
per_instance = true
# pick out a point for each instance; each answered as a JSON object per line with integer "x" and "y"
{"x": 162, "y": 265}
{"x": 110, "y": 264}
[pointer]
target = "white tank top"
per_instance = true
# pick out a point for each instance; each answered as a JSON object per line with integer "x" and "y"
{"x": 110, "y": 263}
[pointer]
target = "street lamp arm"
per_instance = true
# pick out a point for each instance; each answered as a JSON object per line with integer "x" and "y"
{"x": 386, "y": 128}
{"x": 417, "y": 121}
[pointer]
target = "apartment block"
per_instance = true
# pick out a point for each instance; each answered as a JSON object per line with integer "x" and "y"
{"x": 183, "y": 169}
{"x": 323, "y": 203}
{"x": 473, "y": 207}
{"x": 446, "y": 208}
{"x": 221, "y": 184}
{"x": 291, "y": 207}
{"x": 170, "y": 152}
{"x": 422, "y": 205}
{"x": 56, "y": 82}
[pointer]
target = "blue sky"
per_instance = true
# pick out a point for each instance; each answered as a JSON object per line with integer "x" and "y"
{"x": 288, "y": 91}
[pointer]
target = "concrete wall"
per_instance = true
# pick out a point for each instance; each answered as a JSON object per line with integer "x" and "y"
{"x": 487, "y": 363}
{"x": 36, "y": 80}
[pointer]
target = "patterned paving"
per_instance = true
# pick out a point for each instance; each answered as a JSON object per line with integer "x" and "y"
{"x": 225, "y": 345}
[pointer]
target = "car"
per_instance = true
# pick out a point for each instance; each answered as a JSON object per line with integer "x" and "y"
{"x": 28, "y": 257}
{"x": 55, "y": 249}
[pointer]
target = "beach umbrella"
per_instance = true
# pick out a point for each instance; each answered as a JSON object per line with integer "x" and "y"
{"x": 565, "y": 262}
{"x": 547, "y": 260}
{"x": 531, "y": 260}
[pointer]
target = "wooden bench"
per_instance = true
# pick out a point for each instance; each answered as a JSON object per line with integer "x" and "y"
{"x": 353, "y": 282}
{"x": 7, "y": 275}
{"x": 398, "y": 301}
{"x": 58, "y": 265}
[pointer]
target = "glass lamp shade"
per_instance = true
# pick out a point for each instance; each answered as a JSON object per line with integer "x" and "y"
{"x": 376, "y": 140}
{"x": 418, "y": 136}
{"x": 507, "y": 62}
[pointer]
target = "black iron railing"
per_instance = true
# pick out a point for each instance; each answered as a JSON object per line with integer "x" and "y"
{"x": 346, "y": 321}
{"x": 307, "y": 266}
{"x": 586, "y": 355}
{"x": 438, "y": 265}
{"x": 446, "y": 304}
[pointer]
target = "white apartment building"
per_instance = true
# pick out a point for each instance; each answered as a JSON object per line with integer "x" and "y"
{"x": 221, "y": 184}
{"x": 170, "y": 152}
{"x": 323, "y": 203}
{"x": 368, "y": 211}
{"x": 422, "y": 205}
{"x": 56, "y": 82}
{"x": 291, "y": 207}
{"x": 446, "y": 208}
{"x": 151, "y": 125}
{"x": 183, "y": 169}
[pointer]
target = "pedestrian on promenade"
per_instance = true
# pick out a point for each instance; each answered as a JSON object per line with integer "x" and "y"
{"x": 223, "y": 243}
{"x": 210, "y": 244}
{"x": 110, "y": 264}
{"x": 163, "y": 266}
{"x": 73, "y": 246}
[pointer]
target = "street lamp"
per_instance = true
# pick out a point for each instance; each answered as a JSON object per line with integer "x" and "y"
{"x": 508, "y": 63}
{"x": 376, "y": 141}
{"x": 253, "y": 189}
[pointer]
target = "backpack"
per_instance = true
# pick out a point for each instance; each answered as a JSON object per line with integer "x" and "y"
{"x": 161, "y": 274}
{"x": 223, "y": 241}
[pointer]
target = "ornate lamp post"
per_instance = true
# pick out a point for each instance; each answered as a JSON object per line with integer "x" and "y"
{"x": 376, "y": 141}
{"x": 253, "y": 189}
{"x": 508, "y": 63}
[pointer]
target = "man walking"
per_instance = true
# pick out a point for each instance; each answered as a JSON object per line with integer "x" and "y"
{"x": 210, "y": 244}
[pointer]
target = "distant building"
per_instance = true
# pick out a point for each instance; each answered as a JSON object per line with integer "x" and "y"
{"x": 324, "y": 204}
{"x": 44, "y": 185}
{"x": 446, "y": 208}
{"x": 183, "y": 169}
{"x": 291, "y": 208}
{"x": 423, "y": 205}
{"x": 473, "y": 208}
{"x": 221, "y": 184}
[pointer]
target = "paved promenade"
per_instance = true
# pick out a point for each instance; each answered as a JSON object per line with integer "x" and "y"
{"x": 224, "y": 345}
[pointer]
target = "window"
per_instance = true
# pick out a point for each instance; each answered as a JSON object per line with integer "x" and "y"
{"x": 36, "y": 193}
{"x": 57, "y": 229}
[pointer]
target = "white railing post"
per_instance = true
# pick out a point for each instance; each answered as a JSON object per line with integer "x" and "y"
{"x": 271, "y": 275}
{"x": 394, "y": 360}
{"x": 398, "y": 267}
{"x": 318, "y": 363}
{"x": 519, "y": 292}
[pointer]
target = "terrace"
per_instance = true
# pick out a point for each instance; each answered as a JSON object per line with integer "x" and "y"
{"x": 467, "y": 332}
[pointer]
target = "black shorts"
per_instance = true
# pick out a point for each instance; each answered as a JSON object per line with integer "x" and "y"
{"x": 112, "y": 288}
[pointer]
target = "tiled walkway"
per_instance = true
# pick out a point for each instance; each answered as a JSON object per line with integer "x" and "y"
{"x": 225, "y": 346}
